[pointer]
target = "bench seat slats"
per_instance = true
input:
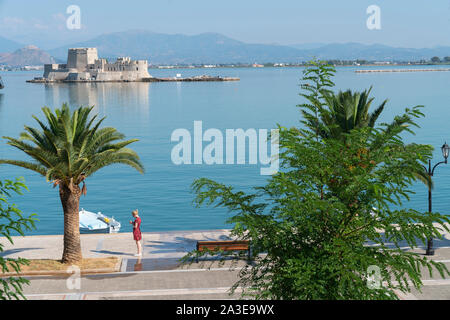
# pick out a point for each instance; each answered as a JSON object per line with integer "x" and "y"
{"x": 228, "y": 245}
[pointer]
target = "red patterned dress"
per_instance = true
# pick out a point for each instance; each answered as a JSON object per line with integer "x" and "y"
{"x": 137, "y": 235}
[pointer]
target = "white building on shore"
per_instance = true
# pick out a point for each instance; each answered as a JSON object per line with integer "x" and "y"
{"x": 83, "y": 64}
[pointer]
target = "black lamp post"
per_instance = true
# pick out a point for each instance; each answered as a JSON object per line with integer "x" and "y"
{"x": 430, "y": 171}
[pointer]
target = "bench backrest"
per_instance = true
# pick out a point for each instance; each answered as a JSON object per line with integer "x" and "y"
{"x": 223, "y": 245}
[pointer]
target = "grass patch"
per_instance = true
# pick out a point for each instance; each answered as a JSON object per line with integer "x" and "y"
{"x": 57, "y": 265}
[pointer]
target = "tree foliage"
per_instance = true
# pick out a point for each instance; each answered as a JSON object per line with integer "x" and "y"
{"x": 333, "y": 115}
{"x": 336, "y": 210}
{"x": 435, "y": 59}
{"x": 12, "y": 220}
{"x": 71, "y": 146}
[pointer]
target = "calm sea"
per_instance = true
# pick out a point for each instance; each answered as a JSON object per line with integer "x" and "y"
{"x": 151, "y": 111}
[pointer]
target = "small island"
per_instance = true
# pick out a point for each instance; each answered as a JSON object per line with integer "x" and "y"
{"x": 83, "y": 65}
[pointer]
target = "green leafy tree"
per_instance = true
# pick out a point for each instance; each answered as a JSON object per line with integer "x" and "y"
{"x": 320, "y": 225}
{"x": 316, "y": 83}
{"x": 335, "y": 115}
{"x": 66, "y": 150}
{"x": 435, "y": 60}
{"x": 12, "y": 220}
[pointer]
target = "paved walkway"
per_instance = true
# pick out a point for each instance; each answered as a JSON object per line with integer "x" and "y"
{"x": 174, "y": 284}
{"x": 158, "y": 275}
{"x": 173, "y": 244}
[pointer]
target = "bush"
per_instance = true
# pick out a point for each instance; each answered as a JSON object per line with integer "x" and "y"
{"x": 12, "y": 220}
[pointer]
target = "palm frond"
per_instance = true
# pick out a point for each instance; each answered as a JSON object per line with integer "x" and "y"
{"x": 70, "y": 146}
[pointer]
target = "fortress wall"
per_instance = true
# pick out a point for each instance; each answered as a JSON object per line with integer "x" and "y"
{"x": 109, "y": 76}
{"x": 118, "y": 76}
{"x": 77, "y": 76}
{"x": 56, "y": 75}
{"x": 134, "y": 70}
{"x": 143, "y": 69}
{"x": 55, "y": 71}
{"x": 48, "y": 68}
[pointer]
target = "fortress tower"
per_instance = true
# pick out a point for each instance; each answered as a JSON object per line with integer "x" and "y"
{"x": 80, "y": 58}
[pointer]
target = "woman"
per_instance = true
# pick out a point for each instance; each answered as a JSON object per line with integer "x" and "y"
{"x": 137, "y": 235}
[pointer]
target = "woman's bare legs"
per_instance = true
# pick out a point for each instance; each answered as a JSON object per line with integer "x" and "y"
{"x": 139, "y": 247}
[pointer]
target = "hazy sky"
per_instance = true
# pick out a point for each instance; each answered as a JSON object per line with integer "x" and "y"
{"x": 404, "y": 23}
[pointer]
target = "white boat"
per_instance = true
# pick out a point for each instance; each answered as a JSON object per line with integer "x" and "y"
{"x": 91, "y": 222}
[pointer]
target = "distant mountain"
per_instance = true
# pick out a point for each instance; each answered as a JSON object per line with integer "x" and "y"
{"x": 177, "y": 48}
{"x": 7, "y": 45}
{"x": 28, "y": 56}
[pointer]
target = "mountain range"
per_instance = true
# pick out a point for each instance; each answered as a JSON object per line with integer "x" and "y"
{"x": 160, "y": 48}
{"x": 214, "y": 48}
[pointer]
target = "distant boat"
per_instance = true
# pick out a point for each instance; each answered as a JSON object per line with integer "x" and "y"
{"x": 1, "y": 83}
{"x": 97, "y": 223}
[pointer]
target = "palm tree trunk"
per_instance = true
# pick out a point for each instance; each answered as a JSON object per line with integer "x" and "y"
{"x": 70, "y": 200}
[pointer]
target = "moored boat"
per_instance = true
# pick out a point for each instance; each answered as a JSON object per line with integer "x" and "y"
{"x": 91, "y": 222}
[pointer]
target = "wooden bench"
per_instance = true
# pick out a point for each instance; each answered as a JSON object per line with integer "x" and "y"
{"x": 228, "y": 245}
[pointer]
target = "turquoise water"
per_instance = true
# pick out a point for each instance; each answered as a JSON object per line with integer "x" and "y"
{"x": 151, "y": 111}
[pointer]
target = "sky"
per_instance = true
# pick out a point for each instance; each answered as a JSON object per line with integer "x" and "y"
{"x": 403, "y": 23}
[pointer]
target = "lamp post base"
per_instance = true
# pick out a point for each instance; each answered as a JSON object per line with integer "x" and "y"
{"x": 429, "y": 253}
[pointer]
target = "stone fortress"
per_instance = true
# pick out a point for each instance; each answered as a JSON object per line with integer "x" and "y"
{"x": 83, "y": 65}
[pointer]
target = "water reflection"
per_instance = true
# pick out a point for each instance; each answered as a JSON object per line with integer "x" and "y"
{"x": 99, "y": 95}
{"x": 138, "y": 265}
{"x": 1, "y": 101}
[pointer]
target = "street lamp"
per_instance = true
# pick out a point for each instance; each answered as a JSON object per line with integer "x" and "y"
{"x": 430, "y": 171}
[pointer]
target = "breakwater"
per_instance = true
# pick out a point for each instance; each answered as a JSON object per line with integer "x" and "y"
{"x": 401, "y": 70}
{"x": 192, "y": 79}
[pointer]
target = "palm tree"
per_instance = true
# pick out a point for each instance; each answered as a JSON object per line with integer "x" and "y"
{"x": 346, "y": 111}
{"x": 67, "y": 150}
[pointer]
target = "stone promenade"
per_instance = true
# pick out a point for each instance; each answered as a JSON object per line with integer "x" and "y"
{"x": 158, "y": 273}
